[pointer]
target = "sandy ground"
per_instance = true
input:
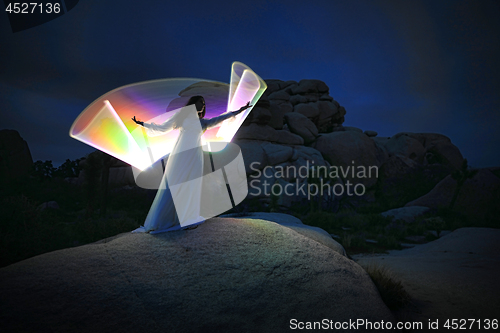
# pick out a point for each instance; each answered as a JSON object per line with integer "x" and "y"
{"x": 454, "y": 277}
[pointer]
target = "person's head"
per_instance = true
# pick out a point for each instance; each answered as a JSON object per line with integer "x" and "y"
{"x": 199, "y": 101}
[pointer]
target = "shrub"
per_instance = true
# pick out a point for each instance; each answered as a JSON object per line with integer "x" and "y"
{"x": 391, "y": 290}
{"x": 418, "y": 227}
{"x": 454, "y": 220}
{"x": 43, "y": 170}
{"x": 26, "y": 231}
{"x": 435, "y": 223}
{"x": 346, "y": 240}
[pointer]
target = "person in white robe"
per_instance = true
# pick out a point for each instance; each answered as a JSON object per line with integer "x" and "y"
{"x": 177, "y": 203}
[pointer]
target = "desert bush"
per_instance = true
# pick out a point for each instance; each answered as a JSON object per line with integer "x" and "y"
{"x": 390, "y": 288}
{"x": 346, "y": 240}
{"x": 358, "y": 242}
{"x": 435, "y": 223}
{"x": 27, "y": 231}
{"x": 69, "y": 169}
{"x": 418, "y": 227}
{"x": 45, "y": 170}
{"x": 273, "y": 201}
{"x": 397, "y": 229}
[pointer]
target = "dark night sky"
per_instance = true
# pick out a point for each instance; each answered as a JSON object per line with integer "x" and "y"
{"x": 416, "y": 66}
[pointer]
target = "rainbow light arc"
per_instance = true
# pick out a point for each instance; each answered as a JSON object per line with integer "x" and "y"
{"x": 106, "y": 123}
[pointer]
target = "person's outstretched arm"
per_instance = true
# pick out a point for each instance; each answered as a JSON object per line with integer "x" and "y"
{"x": 216, "y": 121}
{"x": 154, "y": 129}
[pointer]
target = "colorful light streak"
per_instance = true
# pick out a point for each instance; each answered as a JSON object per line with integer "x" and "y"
{"x": 106, "y": 123}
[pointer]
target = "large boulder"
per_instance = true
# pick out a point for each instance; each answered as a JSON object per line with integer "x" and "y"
{"x": 315, "y": 233}
{"x": 302, "y": 126}
{"x": 261, "y": 112}
{"x": 351, "y": 149}
{"x": 276, "y": 154}
{"x": 412, "y": 164}
{"x": 278, "y": 109}
{"x": 437, "y": 148}
{"x": 347, "y": 129}
{"x": 312, "y": 155}
{"x": 310, "y": 86}
{"x": 268, "y": 163}
{"x": 403, "y": 180}
{"x": 275, "y": 85}
{"x": 382, "y": 153}
{"x": 285, "y": 167}
{"x": 267, "y": 133}
{"x": 254, "y": 156}
{"x": 225, "y": 275}
{"x": 404, "y": 145}
{"x": 15, "y": 155}
{"x": 296, "y": 99}
{"x": 121, "y": 175}
{"x": 327, "y": 111}
{"x": 280, "y": 95}
{"x": 307, "y": 97}
{"x": 478, "y": 198}
{"x": 259, "y": 115}
{"x": 397, "y": 166}
{"x": 444, "y": 152}
{"x": 406, "y": 214}
{"x": 310, "y": 110}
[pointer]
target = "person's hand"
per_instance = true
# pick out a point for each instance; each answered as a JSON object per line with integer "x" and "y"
{"x": 243, "y": 108}
{"x": 138, "y": 122}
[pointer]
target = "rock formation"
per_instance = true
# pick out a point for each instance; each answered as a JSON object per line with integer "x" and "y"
{"x": 477, "y": 199}
{"x": 15, "y": 155}
{"x": 406, "y": 214}
{"x": 307, "y": 97}
{"x": 302, "y": 115}
{"x": 299, "y": 125}
{"x": 226, "y": 275}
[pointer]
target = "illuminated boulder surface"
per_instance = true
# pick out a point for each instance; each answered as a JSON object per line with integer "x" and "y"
{"x": 228, "y": 274}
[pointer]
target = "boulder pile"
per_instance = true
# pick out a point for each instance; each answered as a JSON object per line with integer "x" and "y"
{"x": 298, "y": 124}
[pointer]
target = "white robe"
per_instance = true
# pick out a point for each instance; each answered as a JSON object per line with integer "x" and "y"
{"x": 177, "y": 202}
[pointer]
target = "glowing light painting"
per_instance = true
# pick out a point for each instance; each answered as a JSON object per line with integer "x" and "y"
{"x": 106, "y": 123}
